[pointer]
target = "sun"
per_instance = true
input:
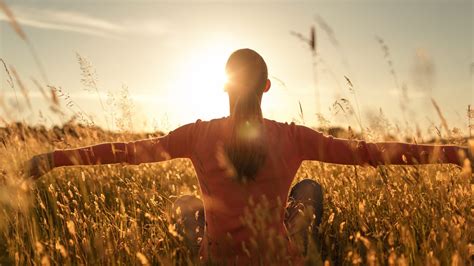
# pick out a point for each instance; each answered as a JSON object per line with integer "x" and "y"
{"x": 200, "y": 84}
{"x": 206, "y": 78}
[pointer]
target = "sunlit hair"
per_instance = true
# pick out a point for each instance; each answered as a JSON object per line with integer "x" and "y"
{"x": 247, "y": 76}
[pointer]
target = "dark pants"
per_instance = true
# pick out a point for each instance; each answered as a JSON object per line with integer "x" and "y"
{"x": 303, "y": 215}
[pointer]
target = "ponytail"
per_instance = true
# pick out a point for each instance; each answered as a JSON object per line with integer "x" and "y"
{"x": 247, "y": 149}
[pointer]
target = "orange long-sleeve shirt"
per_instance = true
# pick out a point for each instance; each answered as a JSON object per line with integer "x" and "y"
{"x": 225, "y": 200}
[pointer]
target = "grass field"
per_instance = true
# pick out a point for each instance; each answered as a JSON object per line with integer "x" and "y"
{"x": 118, "y": 214}
{"x": 390, "y": 215}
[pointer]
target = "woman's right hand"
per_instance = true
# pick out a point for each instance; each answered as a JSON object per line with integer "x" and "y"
{"x": 39, "y": 165}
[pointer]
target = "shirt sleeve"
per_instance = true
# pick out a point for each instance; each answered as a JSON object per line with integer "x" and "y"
{"x": 179, "y": 143}
{"x": 313, "y": 145}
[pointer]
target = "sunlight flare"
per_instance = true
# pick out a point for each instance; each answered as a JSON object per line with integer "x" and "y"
{"x": 200, "y": 86}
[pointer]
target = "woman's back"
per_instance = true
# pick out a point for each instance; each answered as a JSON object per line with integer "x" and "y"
{"x": 227, "y": 200}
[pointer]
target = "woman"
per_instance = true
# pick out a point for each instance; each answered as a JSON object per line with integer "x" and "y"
{"x": 245, "y": 165}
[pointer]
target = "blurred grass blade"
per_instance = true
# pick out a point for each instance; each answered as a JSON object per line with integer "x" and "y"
{"x": 9, "y": 80}
{"x": 40, "y": 88}
{"x": 441, "y": 117}
{"x": 17, "y": 28}
{"x": 12, "y": 20}
{"x": 22, "y": 86}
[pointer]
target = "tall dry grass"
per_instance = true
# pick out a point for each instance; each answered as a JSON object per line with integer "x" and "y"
{"x": 121, "y": 214}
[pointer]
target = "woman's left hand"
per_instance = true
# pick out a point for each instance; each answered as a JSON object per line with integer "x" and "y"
{"x": 39, "y": 165}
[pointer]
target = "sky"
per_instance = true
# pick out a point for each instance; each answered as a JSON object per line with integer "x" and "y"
{"x": 170, "y": 57}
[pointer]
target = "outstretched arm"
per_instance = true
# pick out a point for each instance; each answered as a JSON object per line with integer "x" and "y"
{"x": 314, "y": 145}
{"x": 148, "y": 150}
{"x": 177, "y": 144}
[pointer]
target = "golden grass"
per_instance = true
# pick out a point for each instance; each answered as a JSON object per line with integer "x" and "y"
{"x": 120, "y": 215}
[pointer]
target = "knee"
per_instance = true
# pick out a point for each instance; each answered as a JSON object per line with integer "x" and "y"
{"x": 308, "y": 183}
{"x": 309, "y": 193}
{"x": 187, "y": 204}
{"x": 307, "y": 189}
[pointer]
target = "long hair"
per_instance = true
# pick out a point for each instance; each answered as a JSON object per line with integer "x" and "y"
{"x": 247, "y": 77}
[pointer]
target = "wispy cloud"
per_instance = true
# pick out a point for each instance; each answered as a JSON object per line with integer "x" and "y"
{"x": 73, "y": 21}
{"x": 412, "y": 94}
